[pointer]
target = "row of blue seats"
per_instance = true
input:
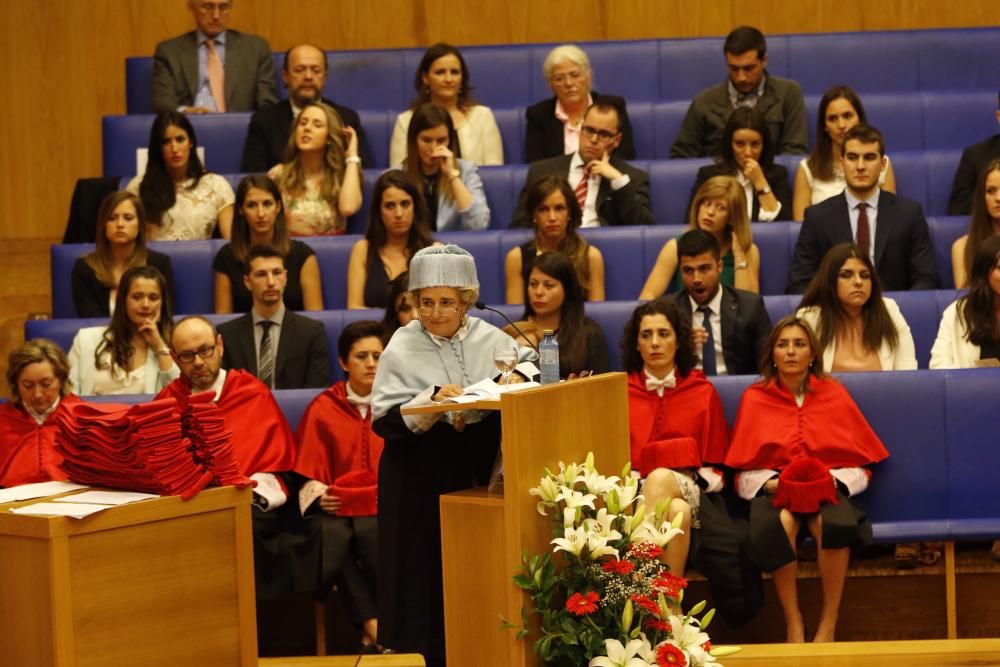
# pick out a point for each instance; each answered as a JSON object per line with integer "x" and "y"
{"x": 939, "y": 482}
{"x": 668, "y": 69}
{"x": 629, "y": 255}
{"x": 924, "y": 176}
{"x": 922, "y": 311}
{"x": 910, "y": 121}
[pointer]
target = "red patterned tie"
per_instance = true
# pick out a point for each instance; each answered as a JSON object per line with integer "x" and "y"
{"x": 581, "y": 188}
{"x": 864, "y": 235}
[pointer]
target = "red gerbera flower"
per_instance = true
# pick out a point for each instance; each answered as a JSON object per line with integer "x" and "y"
{"x": 618, "y": 566}
{"x": 582, "y": 605}
{"x": 647, "y": 604}
{"x": 656, "y": 624}
{"x": 668, "y": 654}
{"x": 707, "y": 646}
{"x": 670, "y": 584}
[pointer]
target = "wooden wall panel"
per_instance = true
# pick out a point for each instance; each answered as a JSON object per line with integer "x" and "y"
{"x": 63, "y": 63}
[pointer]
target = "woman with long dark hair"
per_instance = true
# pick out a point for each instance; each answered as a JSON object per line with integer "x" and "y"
{"x": 121, "y": 245}
{"x": 676, "y": 422}
{"x": 984, "y": 223}
{"x": 182, "y": 200}
{"x": 260, "y": 220}
{"x": 451, "y": 186}
{"x": 803, "y": 447}
{"x": 556, "y": 215}
{"x": 969, "y": 333}
{"x": 748, "y": 156}
{"x": 397, "y": 229}
{"x": 131, "y": 355}
{"x": 858, "y": 329}
{"x": 553, "y": 300}
{"x": 442, "y": 78}
{"x": 820, "y": 175}
{"x": 320, "y": 178}
{"x": 400, "y": 308}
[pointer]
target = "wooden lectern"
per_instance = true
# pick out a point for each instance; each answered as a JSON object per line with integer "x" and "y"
{"x": 160, "y": 582}
{"x": 483, "y": 535}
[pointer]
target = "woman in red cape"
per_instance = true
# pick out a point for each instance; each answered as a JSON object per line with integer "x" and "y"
{"x": 38, "y": 373}
{"x": 797, "y": 414}
{"x": 676, "y": 423}
{"x": 339, "y": 456}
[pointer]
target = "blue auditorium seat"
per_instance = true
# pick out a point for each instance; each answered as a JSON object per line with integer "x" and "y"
{"x": 911, "y": 176}
{"x": 332, "y": 254}
{"x": 941, "y": 167}
{"x": 628, "y": 69}
{"x": 922, "y": 313}
{"x": 501, "y": 195}
{"x": 60, "y": 331}
{"x": 499, "y": 75}
{"x": 818, "y": 61}
{"x": 138, "y": 85}
{"x": 222, "y": 136}
{"x": 670, "y": 184}
{"x": 956, "y": 120}
{"x": 667, "y": 120}
{"x": 973, "y": 464}
{"x": 780, "y": 305}
{"x": 688, "y": 66}
{"x": 293, "y": 403}
{"x": 378, "y": 127}
{"x": 899, "y": 116}
{"x": 958, "y": 59}
{"x": 510, "y": 121}
{"x": 376, "y": 79}
{"x": 622, "y": 251}
{"x": 641, "y": 116}
{"x": 611, "y": 316}
{"x": 944, "y": 232}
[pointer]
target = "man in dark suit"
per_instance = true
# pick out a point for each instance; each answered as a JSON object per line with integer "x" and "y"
{"x": 891, "y": 229}
{"x": 183, "y": 72}
{"x": 304, "y": 74}
{"x": 737, "y": 323}
{"x": 748, "y": 84}
{"x": 974, "y": 160}
{"x": 610, "y": 191}
{"x": 283, "y": 349}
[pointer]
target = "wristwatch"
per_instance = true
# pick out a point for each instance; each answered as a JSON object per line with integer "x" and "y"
{"x": 163, "y": 352}
{"x": 766, "y": 190}
{"x": 455, "y": 173}
{"x": 741, "y": 265}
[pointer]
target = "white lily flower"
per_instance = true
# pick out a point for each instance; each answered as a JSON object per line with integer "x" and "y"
{"x": 596, "y": 482}
{"x": 573, "y": 541}
{"x": 646, "y": 650}
{"x": 689, "y": 637}
{"x": 648, "y": 532}
{"x": 603, "y": 524}
{"x": 576, "y": 499}
{"x": 597, "y": 545}
{"x": 628, "y": 492}
{"x": 547, "y": 490}
{"x": 620, "y": 656}
{"x": 569, "y": 473}
{"x": 569, "y": 517}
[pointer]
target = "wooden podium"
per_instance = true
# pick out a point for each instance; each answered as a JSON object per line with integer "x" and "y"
{"x": 483, "y": 535}
{"x": 161, "y": 582}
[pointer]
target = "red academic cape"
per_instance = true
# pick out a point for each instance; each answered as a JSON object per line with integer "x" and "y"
{"x": 692, "y": 409}
{"x": 335, "y": 439}
{"x": 262, "y": 439}
{"x": 27, "y": 450}
{"x": 771, "y": 429}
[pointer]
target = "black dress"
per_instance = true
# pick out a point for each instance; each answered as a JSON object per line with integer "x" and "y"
{"x": 92, "y": 298}
{"x": 225, "y": 262}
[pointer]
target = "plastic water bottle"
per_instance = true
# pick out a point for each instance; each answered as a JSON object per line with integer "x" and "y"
{"x": 548, "y": 352}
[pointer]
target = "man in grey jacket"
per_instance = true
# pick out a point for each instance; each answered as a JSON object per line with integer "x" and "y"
{"x": 748, "y": 84}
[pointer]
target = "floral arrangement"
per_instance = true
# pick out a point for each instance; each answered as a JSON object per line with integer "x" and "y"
{"x": 607, "y": 600}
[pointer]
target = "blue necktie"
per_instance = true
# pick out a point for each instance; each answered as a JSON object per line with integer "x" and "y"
{"x": 707, "y": 350}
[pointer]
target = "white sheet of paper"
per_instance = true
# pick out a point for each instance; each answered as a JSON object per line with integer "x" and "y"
{"x": 39, "y": 490}
{"x": 488, "y": 389}
{"x": 74, "y": 510}
{"x": 110, "y": 498}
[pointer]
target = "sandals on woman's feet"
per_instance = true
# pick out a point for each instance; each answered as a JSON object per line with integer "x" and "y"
{"x": 907, "y": 556}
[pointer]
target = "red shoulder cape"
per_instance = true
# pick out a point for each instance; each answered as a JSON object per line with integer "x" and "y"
{"x": 262, "y": 439}
{"x": 691, "y": 409}
{"x": 335, "y": 439}
{"x": 27, "y": 450}
{"x": 771, "y": 429}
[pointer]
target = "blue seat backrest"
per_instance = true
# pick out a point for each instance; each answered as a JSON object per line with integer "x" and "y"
{"x": 333, "y": 323}
{"x": 905, "y": 409}
{"x": 628, "y": 69}
{"x": 959, "y": 59}
{"x": 973, "y": 457}
{"x": 670, "y": 184}
{"x": 780, "y": 305}
{"x": 731, "y": 388}
{"x": 776, "y": 241}
{"x": 378, "y": 128}
{"x": 332, "y": 254}
{"x": 899, "y": 116}
{"x": 622, "y": 250}
{"x": 958, "y": 119}
{"x": 920, "y": 310}
{"x": 911, "y": 176}
{"x": 667, "y": 120}
{"x": 653, "y": 240}
{"x": 369, "y": 80}
{"x": 941, "y": 167}
{"x": 501, "y": 195}
{"x": 222, "y": 136}
{"x": 611, "y": 316}
{"x": 293, "y": 403}
{"x": 499, "y": 75}
{"x": 944, "y": 232}
{"x": 820, "y": 61}
{"x": 138, "y": 85}
{"x": 641, "y": 116}
{"x": 510, "y": 121}
{"x": 485, "y": 247}
{"x": 60, "y": 331}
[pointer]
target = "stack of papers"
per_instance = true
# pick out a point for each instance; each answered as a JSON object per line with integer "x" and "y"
{"x": 137, "y": 447}
{"x": 486, "y": 389}
{"x": 39, "y": 490}
{"x": 82, "y": 504}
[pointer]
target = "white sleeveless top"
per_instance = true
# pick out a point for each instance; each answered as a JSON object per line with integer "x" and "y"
{"x": 823, "y": 190}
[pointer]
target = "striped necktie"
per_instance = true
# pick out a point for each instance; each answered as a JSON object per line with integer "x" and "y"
{"x": 582, "y": 187}
{"x": 265, "y": 371}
